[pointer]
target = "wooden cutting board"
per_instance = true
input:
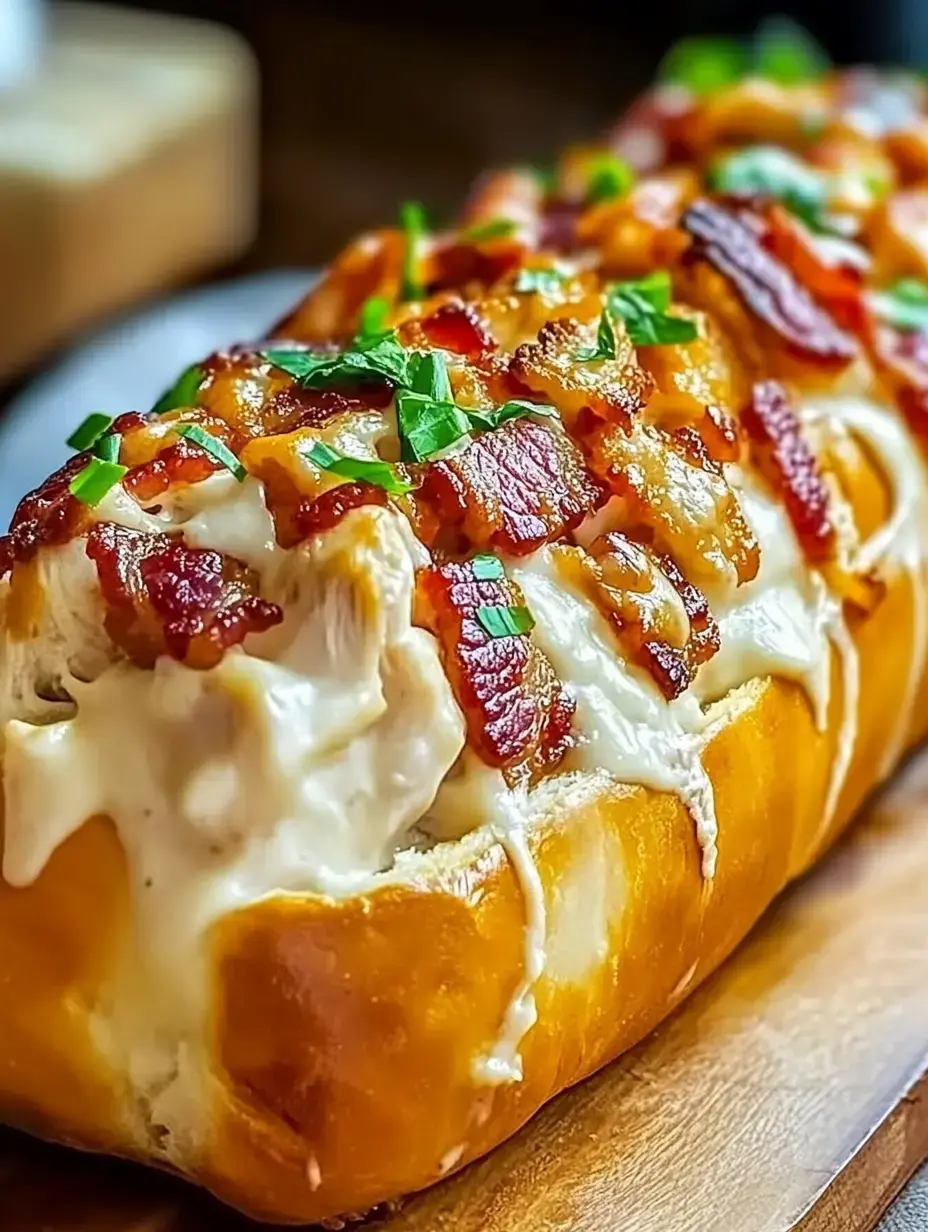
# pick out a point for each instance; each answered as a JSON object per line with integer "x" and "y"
{"x": 791, "y": 1092}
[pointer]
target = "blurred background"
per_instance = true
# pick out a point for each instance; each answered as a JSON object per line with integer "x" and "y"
{"x": 149, "y": 149}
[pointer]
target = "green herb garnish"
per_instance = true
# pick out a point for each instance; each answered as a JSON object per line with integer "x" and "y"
{"x": 905, "y": 305}
{"x": 368, "y": 470}
{"x": 429, "y": 376}
{"x": 609, "y": 177}
{"x": 767, "y": 171}
{"x": 505, "y": 621}
{"x": 107, "y": 447}
{"x": 516, "y": 408}
{"x": 90, "y": 431}
{"x": 183, "y": 392}
{"x": 496, "y": 229}
{"x": 487, "y": 568}
{"x": 643, "y": 304}
{"x": 370, "y": 357}
{"x": 540, "y": 281}
{"x": 427, "y": 426}
{"x": 605, "y": 342}
{"x": 787, "y": 53}
{"x": 704, "y": 65}
{"x": 214, "y": 447}
{"x": 373, "y": 318}
{"x": 413, "y": 222}
{"x": 95, "y": 480}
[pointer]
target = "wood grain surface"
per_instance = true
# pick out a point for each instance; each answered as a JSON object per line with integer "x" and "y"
{"x": 789, "y": 1093}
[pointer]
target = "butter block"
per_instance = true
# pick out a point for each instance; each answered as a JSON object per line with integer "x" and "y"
{"x": 127, "y": 163}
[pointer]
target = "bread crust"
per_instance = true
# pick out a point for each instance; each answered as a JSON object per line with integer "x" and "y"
{"x": 341, "y": 1045}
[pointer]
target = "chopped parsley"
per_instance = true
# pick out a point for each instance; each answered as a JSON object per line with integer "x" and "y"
{"x": 496, "y": 229}
{"x": 370, "y": 357}
{"x": 767, "y": 171}
{"x": 905, "y": 305}
{"x": 214, "y": 447}
{"x": 86, "y": 435}
{"x": 605, "y": 342}
{"x": 505, "y": 621}
{"x": 413, "y": 222}
{"x": 487, "y": 568}
{"x": 781, "y": 51}
{"x": 538, "y": 281}
{"x": 609, "y": 177}
{"x": 368, "y": 470}
{"x": 107, "y": 447}
{"x": 373, "y": 318}
{"x": 183, "y": 392}
{"x": 516, "y": 408}
{"x": 787, "y": 53}
{"x": 644, "y": 304}
{"x": 704, "y": 65}
{"x": 95, "y": 480}
{"x": 426, "y": 426}
{"x": 429, "y": 376}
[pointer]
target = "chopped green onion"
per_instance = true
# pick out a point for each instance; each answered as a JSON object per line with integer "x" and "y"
{"x": 643, "y": 305}
{"x": 369, "y": 470}
{"x": 505, "y": 621}
{"x": 609, "y": 177}
{"x": 787, "y": 53}
{"x": 95, "y": 480}
{"x": 214, "y": 447}
{"x": 90, "y": 431}
{"x": 768, "y": 171}
{"x": 516, "y": 408}
{"x": 107, "y": 447}
{"x": 704, "y": 65}
{"x": 905, "y": 305}
{"x": 487, "y": 568}
{"x": 429, "y": 376}
{"x": 373, "y": 357}
{"x": 496, "y": 229}
{"x": 427, "y": 427}
{"x": 373, "y": 320}
{"x": 183, "y": 392}
{"x": 605, "y": 342}
{"x": 412, "y": 220}
{"x": 538, "y": 281}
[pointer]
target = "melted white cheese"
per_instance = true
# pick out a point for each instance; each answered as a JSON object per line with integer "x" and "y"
{"x": 903, "y": 540}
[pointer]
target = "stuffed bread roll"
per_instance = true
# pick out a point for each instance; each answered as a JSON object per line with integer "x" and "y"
{"x": 407, "y": 713}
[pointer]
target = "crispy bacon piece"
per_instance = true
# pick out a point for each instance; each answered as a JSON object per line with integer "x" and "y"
{"x": 312, "y": 517}
{"x": 901, "y": 359}
{"x": 612, "y": 389}
{"x": 458, "y": 327}
{"x": 839, "y": 287}
{"x": 790, "y": 467}
{"x": 165, "y": 598}
{"x": 640, "y": 232}
{"x": 180, "y": 463}
{"x": 518, "y": 713}
{"x": 674, "y": 493}
{"x": 514, "y": 489}
{"x": 369, "y": 265}
{"x": 296, "y": 407}
{"x": 663, "y": 621}
{"x": 731, "y": 241}
{"x": 48, "y": 515}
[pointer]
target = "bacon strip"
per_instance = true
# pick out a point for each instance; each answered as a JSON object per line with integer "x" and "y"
{"x": 790, "y": 467}
{"x": 732, "y": 241}
{"x": 165, "y": 598}
{"x": 662, "y": 621}
{"x": 49, "y": 514}
{"x": 518, "y": 713}
{"x": 675, "y": 492}
{"x": 514, "y": 489}
{"x": 614, "y": 389}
